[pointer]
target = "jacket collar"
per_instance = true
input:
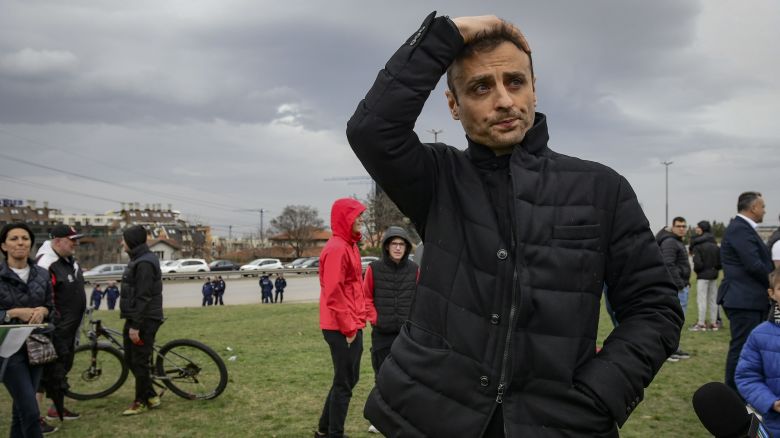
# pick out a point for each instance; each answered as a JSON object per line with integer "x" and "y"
{"x": 534, "y": 142}
{"x": 138, "y": 251}
{"x": 750, "y": 222}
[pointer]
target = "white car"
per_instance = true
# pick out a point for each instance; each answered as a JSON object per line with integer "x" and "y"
{"x": 185, "y": 265}
{"x": 262, "y": 265}
{"x": 366, "y": 260}
{"x": 107, "y": 269}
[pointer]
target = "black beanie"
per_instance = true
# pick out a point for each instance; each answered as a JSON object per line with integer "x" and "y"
{"x": 134, "y": 236}
{"x": 705, "y": 226}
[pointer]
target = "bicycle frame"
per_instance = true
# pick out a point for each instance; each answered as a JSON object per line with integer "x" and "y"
{"x": 97, "y": 330}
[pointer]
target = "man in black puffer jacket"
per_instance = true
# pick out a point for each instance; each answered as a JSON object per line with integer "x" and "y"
{"x": 389, "y": 285}
{"x": 706, "y": 265}
{"x": 519, "y": 242}
{"x": 140, "y": 304}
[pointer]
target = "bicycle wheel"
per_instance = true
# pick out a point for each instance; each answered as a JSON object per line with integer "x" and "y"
{"x": 191, "y": 369}
{"x": 96, "y": 375}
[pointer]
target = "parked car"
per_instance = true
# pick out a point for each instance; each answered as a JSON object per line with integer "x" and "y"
{"x": 185, "y": 265}
{"x": 297, "y": 262}
{"x": 104, "y": 270}
{"x": 223, "y": 265}
{"x": 366, "y": 260}
{"x": 262, "y": 265}
{"x": 313, "y": 262}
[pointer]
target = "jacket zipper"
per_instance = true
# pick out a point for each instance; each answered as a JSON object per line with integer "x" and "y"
{"x": 508, "y": 341}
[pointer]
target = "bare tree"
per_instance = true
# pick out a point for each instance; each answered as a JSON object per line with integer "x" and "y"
{"x": 297, "y": 224}
{"x": 381, "y": 213}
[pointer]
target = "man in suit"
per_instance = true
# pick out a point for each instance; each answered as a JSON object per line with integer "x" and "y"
{"x": 746, "y": 265}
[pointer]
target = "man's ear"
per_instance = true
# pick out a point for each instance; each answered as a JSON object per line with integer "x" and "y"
{"x": 452, "y": 103}
{"x": 533, "y": 82}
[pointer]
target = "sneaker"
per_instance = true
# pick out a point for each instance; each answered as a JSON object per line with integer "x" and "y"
{"x": 318, "y": 434}
{"x": 681, "y": 354}
{"x": 698, "y": 328}
{"x": 713, "y": 327}
{"x": 67, "y": 414}
{"x": 154, "y": 402}
{"x": 47, "y": 428}
{"x": 372, "y": 429}
{"x": 672, "y": 358}
{"x": 135, "y": 409}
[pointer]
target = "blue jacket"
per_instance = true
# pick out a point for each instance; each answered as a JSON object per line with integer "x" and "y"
{"x": 208, "y": 289}
{"x": 758, "y": 372}
{"x": 266, "y": 285}
{"x": 746, "y": 265}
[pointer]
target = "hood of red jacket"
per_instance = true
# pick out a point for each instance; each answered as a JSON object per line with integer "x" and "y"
{"x": 343, "y": 215}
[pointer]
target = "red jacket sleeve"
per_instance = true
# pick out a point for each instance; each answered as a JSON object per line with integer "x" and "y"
{"x": 333, "y": 267}
{"x": 368, "y": 292}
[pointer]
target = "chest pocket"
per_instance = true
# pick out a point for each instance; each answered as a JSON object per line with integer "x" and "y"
{"x": 577, "y": 237}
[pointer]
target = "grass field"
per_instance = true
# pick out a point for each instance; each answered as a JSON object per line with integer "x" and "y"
{"x": 282, "y": 373}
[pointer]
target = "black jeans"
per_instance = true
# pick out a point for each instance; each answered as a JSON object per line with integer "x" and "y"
{"x": 138, "y": 358}
{"x": 741, "y": 323}
{"x": 279, "y": 296}
{"x": 21, "y": 380}
{"x": 346, "y": 371}
{"x": 380, "y": 348}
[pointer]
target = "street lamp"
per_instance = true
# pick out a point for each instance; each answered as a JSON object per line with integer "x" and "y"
{"x": 435, "y": 133}
{"x": 667, "y": 164}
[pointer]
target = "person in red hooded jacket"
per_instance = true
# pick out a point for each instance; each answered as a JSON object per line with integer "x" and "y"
{"x": 342, "y": 311}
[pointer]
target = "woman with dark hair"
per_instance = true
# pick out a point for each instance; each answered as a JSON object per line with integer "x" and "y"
{"x": 25, "y": 298}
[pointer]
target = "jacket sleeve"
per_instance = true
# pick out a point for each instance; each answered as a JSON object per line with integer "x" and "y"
{"x": 334, "y": 291}
{"x": 381, "y": 131}
{"x": 750, "y": 379}
{"x": 368, "y": 292}
{"x": 669, "y": 254}
{"x": 645, "y": 302}
{"x": 750, "y": 252}
{"x": 697, "y": 260}
{"x": 144, "y": 279}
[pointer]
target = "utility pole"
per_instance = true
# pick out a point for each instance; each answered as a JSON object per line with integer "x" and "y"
{"x": 667, "y": 164}
{"x": 435, "y": 133}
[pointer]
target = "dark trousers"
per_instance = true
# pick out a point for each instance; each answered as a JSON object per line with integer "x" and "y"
{"x": 346, "y": 371}
{"x": 741, "y": 323}
{"x": 21, "y": 380}
{"x": 279, "y": 295}
{"x": 208, "y": 300}
{"x": 380, "y": 347}
{"x": 96, "y": 303}
{"x": 111, "y": 303}
{"x": 138, "y": 358}
{"x": 218, "y": 300}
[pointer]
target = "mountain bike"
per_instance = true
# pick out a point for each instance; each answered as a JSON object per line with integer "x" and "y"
{"x": 190, "y": 369}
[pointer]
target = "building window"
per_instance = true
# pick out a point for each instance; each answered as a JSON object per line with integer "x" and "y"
{"x": 160, "y": 254}
{"x": 14, "y": 211}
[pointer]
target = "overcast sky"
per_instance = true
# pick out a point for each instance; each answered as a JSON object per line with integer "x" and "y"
{"x": 220, "y": 106}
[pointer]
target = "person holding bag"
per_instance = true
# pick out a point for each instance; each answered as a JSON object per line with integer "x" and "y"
{"x": 25, "y": 298}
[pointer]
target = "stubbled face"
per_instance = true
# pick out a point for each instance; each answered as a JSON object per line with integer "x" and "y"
{"x": 63, "y": 246}
{"x": 396, "y": 248}
{"x": 698, "y": 230}
{"x": 679, "y": 228}
{"x": 496, "y": 100}
{"x": 17, "y": 244}
{"x": 758, "y": 210}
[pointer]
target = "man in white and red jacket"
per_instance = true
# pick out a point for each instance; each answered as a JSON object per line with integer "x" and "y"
{"x": 342, "y": 311}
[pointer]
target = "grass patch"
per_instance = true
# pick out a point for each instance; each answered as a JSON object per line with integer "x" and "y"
{"x": 282, "y": 372}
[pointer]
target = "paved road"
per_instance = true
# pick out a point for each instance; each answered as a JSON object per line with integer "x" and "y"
{"x": 186, "y": 293}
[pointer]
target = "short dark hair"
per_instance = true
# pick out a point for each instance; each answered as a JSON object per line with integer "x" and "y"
{"x": 486, "y": 41}
{"x": 746, "y": 200}
{"x": 679, "y": 219}
{"x": 12, "y": 226}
